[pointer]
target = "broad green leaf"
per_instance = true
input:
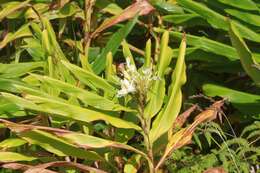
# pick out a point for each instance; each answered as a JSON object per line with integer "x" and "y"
{"x": 163, "y": 122}
{"x": 245, "y": 102}
{"x": 246, "y": 57}
{"x": 11, "y": 8}
{"x": 19, "y": 69}
{"x": 14, "y": 157}
{"x": 89, "y": 78}
{"x": 252, "y": 19}
{"x": 218, "y": 21}
{"x": 12, "y": 143}
{"x": 66, "y": 110}
{"x": 112, "y": 45}
{"x": 242, "y": 4}
{"x": 24, "y": 31}
{"x": 57, "y": 146}
{"x": 87, "y": 97}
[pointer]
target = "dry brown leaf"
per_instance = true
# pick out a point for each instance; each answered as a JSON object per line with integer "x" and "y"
{"x": 42, "y": 167}
{"x": 23, "y": 167}
{"x": 141, "y": 7}
{"x": 181, "y": 119}
{"x": 184, "y": 136}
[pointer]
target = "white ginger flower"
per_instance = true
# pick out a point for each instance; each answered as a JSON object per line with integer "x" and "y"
{"x": 126, "y": 88}
{"x": 135, "y": 81}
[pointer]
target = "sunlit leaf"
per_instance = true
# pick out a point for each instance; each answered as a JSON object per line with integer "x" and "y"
{"x": 163, "y": 122}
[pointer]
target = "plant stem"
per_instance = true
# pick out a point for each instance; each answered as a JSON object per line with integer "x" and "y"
{"x": 146, "y": 128}
{"x": 87, "y": 25}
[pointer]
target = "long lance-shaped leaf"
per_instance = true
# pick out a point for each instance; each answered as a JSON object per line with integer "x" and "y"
{"x": 250, "y": 18}
{"x": 112, "y": 45}
{"x": 12, "y": 143}
{"x": 87, "y": 97}
{"x": 90, "y": 79}
{"x": 183, "y": 137}
{"x": 218, "y": 21}
{"x": 205, "y": 44}
{"x": 247, "y": 103}
{"x": 242, "y": 4}
{"x": 19, "y": 69}
{"x": 24, "y": 31}
{"x": 246, "y": 57}
{"x": 52, "y": 39}
{"x": 167, "y": 116}
{"x": 14, "y": 157}
{"x": 49, "y": 142}
{"x": 157, "y": 93}
{"x": 66, "y": 110}
{"x": 12, "y": 7}
{"x": 79, "y": 139}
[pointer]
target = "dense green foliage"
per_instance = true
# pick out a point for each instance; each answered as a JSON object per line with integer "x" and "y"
{"x": 122, "y": 86}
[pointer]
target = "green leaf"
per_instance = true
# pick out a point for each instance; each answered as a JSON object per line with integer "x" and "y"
{"x": 34, "y": 48}
{"x": 245, "y": 102}
{"x": 11, "y": 8}
{"x": 87, "y": 141}
{"x": 247, "y": 60}
{"x": 14, "y": 157}
{"x": 53, "y": 40}
{"x": 57, "y": 146}
{"x": 157, "y": 93}
{"x": 67, "y": 11}
{"x": 163, "y": 122}
{"x": 252, "y": 19}
{"x": 206, "y": 44}
{"x": 66, "y": 110}
{"x": 87, "y": 97}
{"x": 218, "y": 21}
{"x": 8, "y": 85}
{"x": 180, "y": 18}
{"x": 24, "y": 31}
{"x": 89, "y": 78}
{"x": 12, "y": 143}
{"x": 9, "y": 109}
{"x": 19, "y": 69}
{"x": 112, "y": 45}
{"x": 242, "y": 4}
{"x": 168, "y": 7}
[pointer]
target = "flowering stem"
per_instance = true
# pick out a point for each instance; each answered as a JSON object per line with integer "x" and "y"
{"x": 146, "y": 128}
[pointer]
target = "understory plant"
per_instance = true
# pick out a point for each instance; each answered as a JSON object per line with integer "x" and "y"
{"x": 106, "y": 112}
{"x": 103, "y": 85}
